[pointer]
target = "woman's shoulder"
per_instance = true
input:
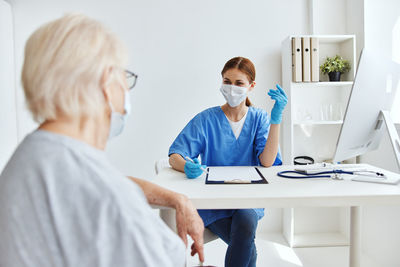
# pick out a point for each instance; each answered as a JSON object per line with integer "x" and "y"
{"x": 211, "y": 111}
{"x": 64, "y": 163}
{"x": 207, "y": 114}
{"x": 258, "y": 113}
{"x": 44, "y": 154}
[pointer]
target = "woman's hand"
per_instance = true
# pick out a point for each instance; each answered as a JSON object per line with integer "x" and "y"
{"x": 193, "y": 169}
{"x": 188, "y": 222}
{"x": 280, "y": 102}
{"x": 268, "y": 156}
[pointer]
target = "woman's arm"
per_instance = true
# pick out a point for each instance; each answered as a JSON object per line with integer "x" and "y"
{"x": 177, "y": 162}
{"x": 268, "y": 156}
{"x": 157, "y": 195}
{"x": 188, "y": 221}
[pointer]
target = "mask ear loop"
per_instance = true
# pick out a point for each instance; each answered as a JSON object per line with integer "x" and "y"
{"x": 111, "y": 106}
{"x": 112, "y": 76}
{"x": 126, "y": 95}
{"x": 127, "y": 103}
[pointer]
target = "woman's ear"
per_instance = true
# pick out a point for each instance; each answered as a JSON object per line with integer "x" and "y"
{"x": 104, "y": 83}
{"x": 252, "y": 85}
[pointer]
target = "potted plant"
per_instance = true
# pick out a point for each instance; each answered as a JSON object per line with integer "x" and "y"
{"x": 334, "y": 66}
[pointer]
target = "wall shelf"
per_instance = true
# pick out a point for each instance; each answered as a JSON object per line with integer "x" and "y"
{"x": 310, "y": 127}
{"x": 323, "y": 84}
{"x": 318, "y": 122}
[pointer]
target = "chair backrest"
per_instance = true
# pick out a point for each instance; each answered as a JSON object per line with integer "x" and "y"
{"x": 161, "y": 164}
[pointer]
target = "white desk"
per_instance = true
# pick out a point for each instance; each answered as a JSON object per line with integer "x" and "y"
{"x": 282, "y": 192}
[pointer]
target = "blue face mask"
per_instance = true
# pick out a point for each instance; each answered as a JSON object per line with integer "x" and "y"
{"x": 118, "y": 120}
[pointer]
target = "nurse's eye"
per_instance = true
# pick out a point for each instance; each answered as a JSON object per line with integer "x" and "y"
{"x": 239, "y": 84}
{"x": 227, "y": 82}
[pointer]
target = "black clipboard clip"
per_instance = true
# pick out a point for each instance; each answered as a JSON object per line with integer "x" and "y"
{"x": 238, "y": 181}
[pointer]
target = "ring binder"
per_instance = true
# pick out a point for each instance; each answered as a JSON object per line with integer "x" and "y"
{"x": 314, "y": 59}
{"x": 296, "y": 60}
{"x": 306, "y": 59}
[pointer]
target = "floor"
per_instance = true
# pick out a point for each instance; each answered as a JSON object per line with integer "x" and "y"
{"x": 273, "y": 251}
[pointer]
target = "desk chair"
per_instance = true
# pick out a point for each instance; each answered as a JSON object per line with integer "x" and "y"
{"x": 168, "y": 215}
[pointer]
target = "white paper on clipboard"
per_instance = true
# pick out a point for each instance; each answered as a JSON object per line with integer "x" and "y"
{"x": 229, "y": 173}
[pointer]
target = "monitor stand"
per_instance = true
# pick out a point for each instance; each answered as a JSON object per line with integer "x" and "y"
{"x": 384, "y": 117}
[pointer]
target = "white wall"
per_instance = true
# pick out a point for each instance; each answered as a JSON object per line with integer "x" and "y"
{"x": 8, "y": 128}
{"x": 329, "y": 16}
{"x": 355, "y": 22}
{"x": 178, "y": 49}
{"x": 338, "y": 17}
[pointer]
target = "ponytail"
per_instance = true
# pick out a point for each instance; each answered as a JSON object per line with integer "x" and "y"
{"x": 248, "y": 102}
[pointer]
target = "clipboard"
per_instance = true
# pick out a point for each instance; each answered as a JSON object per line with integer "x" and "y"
{"x": 238, "y": 181}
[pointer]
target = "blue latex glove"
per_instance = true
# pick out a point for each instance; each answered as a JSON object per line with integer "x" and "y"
{"x": 280, "y": 102}
{"x": 193, "y": 170}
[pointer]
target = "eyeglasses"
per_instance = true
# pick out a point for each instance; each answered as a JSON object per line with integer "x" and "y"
{"x": 131, "y": 79}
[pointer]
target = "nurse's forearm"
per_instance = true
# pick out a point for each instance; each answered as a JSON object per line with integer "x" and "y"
{"x": 177, "y": 162}
{"x": 157, "y": 195}
{"x": 268, "y": 156}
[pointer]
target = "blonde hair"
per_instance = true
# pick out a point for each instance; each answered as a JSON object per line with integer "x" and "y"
{"x": 64, "y": 63}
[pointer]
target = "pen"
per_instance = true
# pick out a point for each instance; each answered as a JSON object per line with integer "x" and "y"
{"x": 204, "y": 170}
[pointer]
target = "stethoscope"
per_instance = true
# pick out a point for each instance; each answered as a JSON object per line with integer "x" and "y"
{"x": 334, "y": 174}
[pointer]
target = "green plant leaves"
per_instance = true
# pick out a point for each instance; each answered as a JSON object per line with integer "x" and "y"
{"x": 335, "y": 64}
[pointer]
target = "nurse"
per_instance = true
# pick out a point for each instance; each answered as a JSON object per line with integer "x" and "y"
{"x": 234, "y": 134}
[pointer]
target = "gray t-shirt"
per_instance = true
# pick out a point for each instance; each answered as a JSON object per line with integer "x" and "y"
{"x": 63, "y": 204}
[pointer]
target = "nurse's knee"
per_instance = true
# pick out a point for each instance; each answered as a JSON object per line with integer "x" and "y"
{"x": 246, "y": 221}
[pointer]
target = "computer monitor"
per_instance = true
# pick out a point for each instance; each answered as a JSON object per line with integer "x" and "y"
{"x": 368, "y": 108}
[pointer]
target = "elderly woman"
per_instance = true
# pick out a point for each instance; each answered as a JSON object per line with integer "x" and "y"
{"x": 61, "y": 201}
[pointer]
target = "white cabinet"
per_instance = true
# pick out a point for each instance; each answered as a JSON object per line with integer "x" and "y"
{"x": 312, "y": 120}
{"x": 310, "y": 127}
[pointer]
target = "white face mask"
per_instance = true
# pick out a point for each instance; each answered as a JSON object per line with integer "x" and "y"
{"x": 118, "y": 120}
{"x": 233, "y": 94}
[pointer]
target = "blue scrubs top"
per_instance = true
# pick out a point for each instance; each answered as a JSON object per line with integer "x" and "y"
{"x": 210, "y": 135}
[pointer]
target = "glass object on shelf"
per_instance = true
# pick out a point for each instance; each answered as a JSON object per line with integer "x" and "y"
{"x": 326, "y": 112}
{"x": 332, "y": 112}
{"x": 338, "y": 111}
{"x": 304, "y": 114}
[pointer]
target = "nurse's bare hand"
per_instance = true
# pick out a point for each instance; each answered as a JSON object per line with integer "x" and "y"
{"x": 188, "y": 222}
